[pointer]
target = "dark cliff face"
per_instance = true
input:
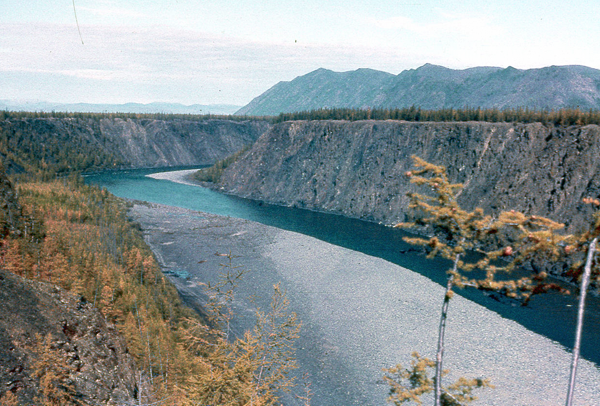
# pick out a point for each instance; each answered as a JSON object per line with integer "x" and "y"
{"x": 102, "y": 372}
{"x": 86, "y": 144}
{"x": 357, "y": 168}
{"x": 156, "y": 143}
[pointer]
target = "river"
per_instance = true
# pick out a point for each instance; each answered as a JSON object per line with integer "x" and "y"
{"x": 551, "y": 315}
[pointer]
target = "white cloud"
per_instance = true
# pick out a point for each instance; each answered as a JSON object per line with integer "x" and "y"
{"x": 444, "y": 24}
{"x": 398, "y": 23}
{"x": 162, "y": 63}
{"x": 94, "y": 74}
{"x": 149, "y": 63}
{"x": 111, "y": 11}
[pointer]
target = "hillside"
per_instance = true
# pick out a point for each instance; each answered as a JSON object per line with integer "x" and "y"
{"x": 434, "y": 87}
{"x": 356, "y": 168}
{"x": 95, "y": 356}
{"x": 82, "y": 348}
{"x": 321, "y": 89}
{"x": 31, "y": 144}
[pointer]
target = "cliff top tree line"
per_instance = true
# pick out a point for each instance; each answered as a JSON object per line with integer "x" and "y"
{"x": 566, "y": 116}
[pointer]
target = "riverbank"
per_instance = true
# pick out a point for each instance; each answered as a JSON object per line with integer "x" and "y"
{"x": 359, "y": 313}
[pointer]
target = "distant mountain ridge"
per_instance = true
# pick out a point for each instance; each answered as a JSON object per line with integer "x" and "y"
{"x": 434, "y": 87}
{"x": 150, "y": 108}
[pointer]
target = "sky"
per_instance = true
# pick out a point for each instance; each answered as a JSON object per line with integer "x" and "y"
{"x": 228, "y": 52}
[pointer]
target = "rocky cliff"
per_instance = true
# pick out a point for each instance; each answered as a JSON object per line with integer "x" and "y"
{"x": 356, "y": 168}
{"x": 155, "y": 143}
{"x": 106, "y": 142}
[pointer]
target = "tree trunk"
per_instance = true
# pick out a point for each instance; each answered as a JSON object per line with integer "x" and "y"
{"x": 441, "y": 332}
{"x": 584, "y": 285}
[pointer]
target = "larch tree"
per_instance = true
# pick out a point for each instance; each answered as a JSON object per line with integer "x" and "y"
{"x": 455, "y": 231}
{"x": 247, "y": 370}
{"x": 528, "y": 239}
{"x": 409, "y": 384}
{"x": 523, "y": 239}
{"x": 541, "y": 239}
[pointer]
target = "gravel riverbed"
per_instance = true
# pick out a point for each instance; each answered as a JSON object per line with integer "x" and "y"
{"x": 359, "y": 313}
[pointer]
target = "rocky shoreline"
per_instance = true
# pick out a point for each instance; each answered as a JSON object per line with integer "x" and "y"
{"x": 359, "y": 313}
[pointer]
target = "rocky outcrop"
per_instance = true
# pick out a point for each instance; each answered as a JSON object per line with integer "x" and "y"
{"x": 101, "y": 370}
{"x": 357, "y": 168}
{"x": 96, "y": 143}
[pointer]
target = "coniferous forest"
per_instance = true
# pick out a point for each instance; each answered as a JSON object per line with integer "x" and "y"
{"x": 562, "y": 117}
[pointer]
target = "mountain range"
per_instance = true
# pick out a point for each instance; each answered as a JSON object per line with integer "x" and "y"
{"x": 433, "y": 87}
{"x": 150, "y": 108}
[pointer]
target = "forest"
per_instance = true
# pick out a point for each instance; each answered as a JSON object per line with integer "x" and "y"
{"x": 8, "y": 115}
{"x": 562, "y": 117}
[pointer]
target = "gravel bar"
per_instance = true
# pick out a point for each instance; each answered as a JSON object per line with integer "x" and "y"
{"x": 359, "y": 313}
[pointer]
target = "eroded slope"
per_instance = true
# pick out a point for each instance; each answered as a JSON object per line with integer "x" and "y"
{"x": 357, "y": 168}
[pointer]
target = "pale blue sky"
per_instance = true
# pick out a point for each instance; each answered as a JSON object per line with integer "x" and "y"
{"x": 191, "y": 51}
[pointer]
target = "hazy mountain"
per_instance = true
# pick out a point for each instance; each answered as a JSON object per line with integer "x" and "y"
{"x": 174, "y": 108}
{"x": 434, "y": 87}
{"x": 321, "y": 88}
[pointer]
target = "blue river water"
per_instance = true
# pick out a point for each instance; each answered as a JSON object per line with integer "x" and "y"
{"x": 551, "y": 315}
